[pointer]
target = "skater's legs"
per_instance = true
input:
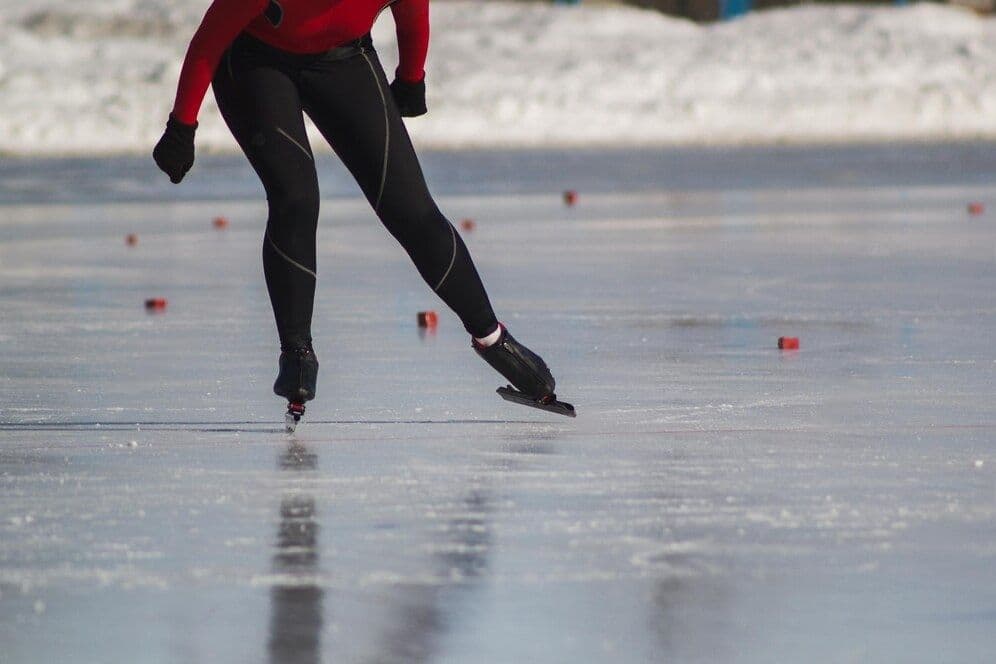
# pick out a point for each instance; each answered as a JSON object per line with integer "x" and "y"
{"x": 261, "y": 105}
{"x": 350, "y": 102}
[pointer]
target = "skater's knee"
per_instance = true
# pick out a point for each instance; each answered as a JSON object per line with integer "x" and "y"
{"x": 297, "y": 208}
{"x": 419, "y": 228}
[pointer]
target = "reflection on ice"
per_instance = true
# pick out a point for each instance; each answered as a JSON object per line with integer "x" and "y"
{"x": 463, "y": 551}
{"x": 296, "y": 600}
{"x": 688, "y": 613}
{"x": 419, "y": 615}
{"x": 298, "y": 457}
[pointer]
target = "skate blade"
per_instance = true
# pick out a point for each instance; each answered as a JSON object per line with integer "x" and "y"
{"x": 559, "y": 407}
{"x": 293, "y": 416}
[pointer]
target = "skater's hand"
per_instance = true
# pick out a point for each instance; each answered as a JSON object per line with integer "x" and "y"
{"x": 410, "y": 97}
{"x": 174, "y": 153}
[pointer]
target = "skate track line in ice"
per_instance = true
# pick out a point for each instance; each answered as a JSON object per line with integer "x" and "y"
{"x": 197, "y": 427}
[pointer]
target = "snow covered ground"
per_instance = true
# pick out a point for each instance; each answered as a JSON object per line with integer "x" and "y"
{"x": 716, "y": 500}
{"x": 99, "y": 77}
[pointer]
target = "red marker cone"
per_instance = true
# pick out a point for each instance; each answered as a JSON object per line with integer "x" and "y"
{"x": 467, "y": 225}
{"x": 156, "y": 304}
{"x": 570, "y": 198}
{"x": 221, "y": 223}
{"x": 788, "y": 343}
{"x": 976, "y": 208}
{"x": 131, "y": 239}
{"x": 427, "y": 319}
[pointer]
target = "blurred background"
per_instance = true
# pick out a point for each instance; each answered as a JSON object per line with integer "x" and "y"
{"x": 712, "y": 10}
{"x": 99, "y": 78}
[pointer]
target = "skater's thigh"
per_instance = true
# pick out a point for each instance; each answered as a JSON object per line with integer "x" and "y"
{"x": 262, "y": 107}
{"x": 351, "y": 104}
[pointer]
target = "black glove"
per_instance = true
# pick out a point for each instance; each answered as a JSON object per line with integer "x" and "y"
{"x": 174, "y": 153}
{"x": 410, "y": 97}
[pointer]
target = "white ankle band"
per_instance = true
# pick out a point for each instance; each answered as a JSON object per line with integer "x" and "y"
{"x": 490, "y": 339}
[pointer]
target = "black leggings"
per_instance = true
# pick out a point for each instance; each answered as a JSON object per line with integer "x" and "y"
{"x": 262, "y": 92}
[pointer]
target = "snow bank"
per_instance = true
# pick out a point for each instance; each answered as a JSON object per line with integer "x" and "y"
{"x": 99, "y": 77}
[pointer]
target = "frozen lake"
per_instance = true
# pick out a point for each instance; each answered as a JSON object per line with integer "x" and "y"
{"x": 716, "y": 499}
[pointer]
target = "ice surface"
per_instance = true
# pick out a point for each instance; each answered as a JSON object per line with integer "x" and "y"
{"x": 715, "y": 500}
{"x": 77, "y": 78}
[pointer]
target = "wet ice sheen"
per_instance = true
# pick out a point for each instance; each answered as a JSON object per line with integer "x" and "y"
{"x": 715, "y": 500}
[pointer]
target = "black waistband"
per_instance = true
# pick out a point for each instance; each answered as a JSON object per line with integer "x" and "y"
{"x": 351, "y": 49}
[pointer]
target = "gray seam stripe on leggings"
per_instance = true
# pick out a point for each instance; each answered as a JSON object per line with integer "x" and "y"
{"x": 452, "y": 260}
{"x": 289, "y": 259}
{"x": 291, "y": 139}
{"x": 387, "y": 131}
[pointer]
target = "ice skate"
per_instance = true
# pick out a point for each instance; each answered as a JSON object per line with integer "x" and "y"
{"x": 532, "y": 384}
{"x": 296, "y": 381}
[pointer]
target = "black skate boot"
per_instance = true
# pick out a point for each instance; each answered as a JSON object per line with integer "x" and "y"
{"x": 532, "y": 384}
{"x": 296, "y": 381}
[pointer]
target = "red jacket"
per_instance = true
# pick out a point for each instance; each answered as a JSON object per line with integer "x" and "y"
{"x": 298, "y": 26}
